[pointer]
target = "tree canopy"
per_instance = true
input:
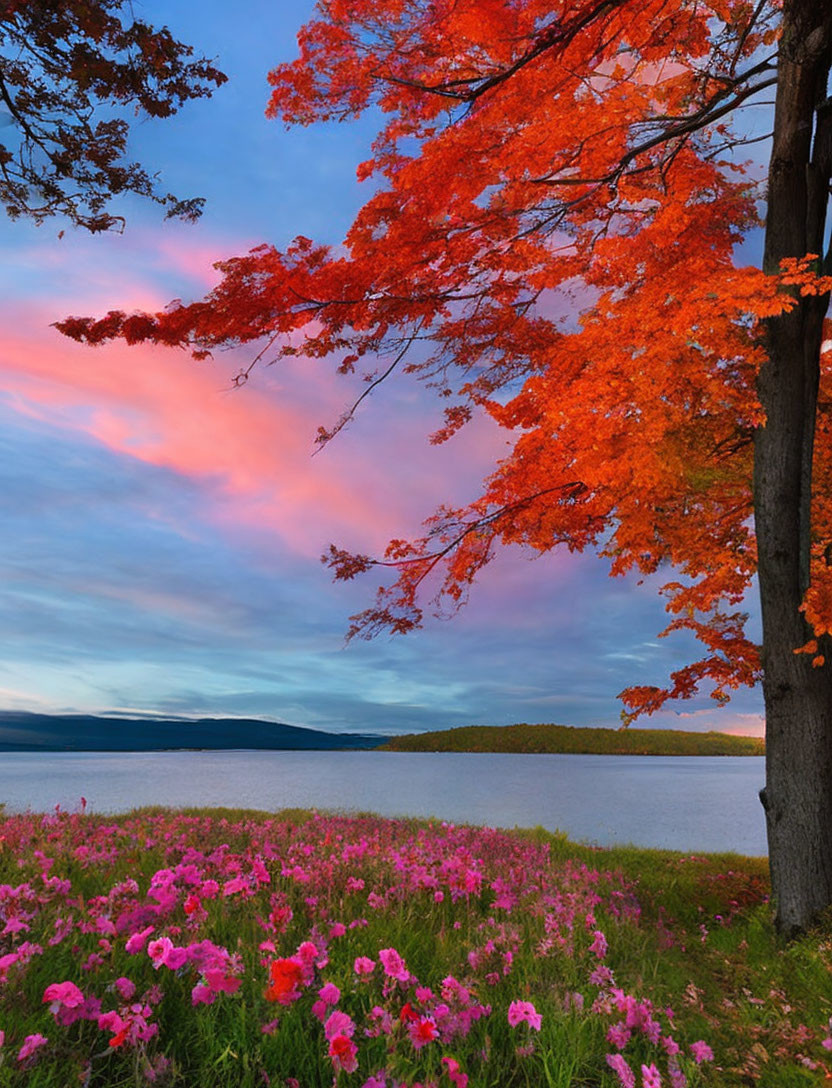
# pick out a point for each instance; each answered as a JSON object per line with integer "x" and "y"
{"x": 61, "y": 65}
{"x": 560, "y": 188}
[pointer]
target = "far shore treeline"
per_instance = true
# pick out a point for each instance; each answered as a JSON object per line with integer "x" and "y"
{"x": 26, "y": 732}
{"x": 577, "y": 740}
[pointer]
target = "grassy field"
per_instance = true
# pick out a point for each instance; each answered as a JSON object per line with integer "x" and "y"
{"x": 566, "y": 738}
{"x": 217, "y": 949}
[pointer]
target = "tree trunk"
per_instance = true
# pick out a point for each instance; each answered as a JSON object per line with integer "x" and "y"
{"x": 798, "y": 698}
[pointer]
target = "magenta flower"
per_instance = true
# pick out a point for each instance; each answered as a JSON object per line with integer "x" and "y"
{"x": 701, "y": 1052}
{"x": 618, "y": 1064}
{"x": 125, "y": 988}
{"x": 164, "y": 952}
{"x": 599, "y": 944}
{"x": 393, "y": 964}
{"x": 338, "y": 1023}
{"x": 31, "y": 1044}
{"x": 364, "y": 965}
{"x": 376, "y": 1081}
{"x": 619, "y": 1035}
{"x": 455, "y": 1074}
{"x": 137, "y": 941}
{"x": 202, "y": 995}
{"x": 519, "y": 1011}
{"x": 650, "y": 1076}
{"x": 63, "y": 993}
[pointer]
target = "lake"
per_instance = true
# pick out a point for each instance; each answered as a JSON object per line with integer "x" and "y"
{"x": 690, "y": 803}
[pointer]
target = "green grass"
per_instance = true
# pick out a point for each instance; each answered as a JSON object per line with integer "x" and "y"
{"x": 577, "y": 740}
{"x": 689, "y": 932}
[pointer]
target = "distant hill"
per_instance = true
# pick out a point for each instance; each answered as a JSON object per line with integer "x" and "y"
{"x": 586, "y": 741}
{"x": 22, "y": 732}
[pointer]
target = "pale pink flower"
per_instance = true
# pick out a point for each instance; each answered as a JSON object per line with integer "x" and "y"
{"x": 364, "y": 965}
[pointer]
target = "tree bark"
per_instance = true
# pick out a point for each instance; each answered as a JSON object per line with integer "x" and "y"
{"x": 798, "y": 698}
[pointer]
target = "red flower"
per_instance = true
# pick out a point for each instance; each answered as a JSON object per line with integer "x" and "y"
{"x": 120, "y": 1036}
{"x": 285, "y": 976}
{"x": 344, "y": 1053}
{"x": 422, "y": 1031}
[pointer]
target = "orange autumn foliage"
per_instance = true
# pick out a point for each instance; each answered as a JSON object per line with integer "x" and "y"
{"x": 559, "y": 194}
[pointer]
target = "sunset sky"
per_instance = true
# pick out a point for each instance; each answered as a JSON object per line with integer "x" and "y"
{"x": 162, "y": 532}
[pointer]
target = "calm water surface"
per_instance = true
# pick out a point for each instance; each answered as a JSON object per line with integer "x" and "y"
{"x": 706, "y": 803}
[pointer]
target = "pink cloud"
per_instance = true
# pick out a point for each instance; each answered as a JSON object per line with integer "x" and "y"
{"x": 722, "y": 721}
{"x": 249, "y": 449}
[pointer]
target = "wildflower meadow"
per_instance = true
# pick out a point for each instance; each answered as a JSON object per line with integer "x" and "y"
{"x": 216, "y": 948}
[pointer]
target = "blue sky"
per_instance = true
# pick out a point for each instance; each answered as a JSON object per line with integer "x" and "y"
{"x": 162, "y": 532}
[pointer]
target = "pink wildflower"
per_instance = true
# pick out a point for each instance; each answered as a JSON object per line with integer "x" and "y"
{"x": 327, "y": 995}
{"x": 619, "y": 1035}
{"x": 158, "y": 949}
{"x": 338, "y": 1023}
{"x": 599, "y": 944}
{"x": 137, "y": 942}
{"x": 364, "y": 965}
{"x": 524, "y": 1010}
{"x": 344, "y": 1054}
{"x": 618, "y": 1063}
{"x": 650, "y": 1076}
{"x": 382, "y": 1022}
{"x": 220, "y": 981}
{"x": 307, "y": 953}
{"x": 422, "y": 1031}
{"x": 378, "y": 1080}
{"x": 455, "y": 1074}
{"x": 202, "y": 995}
{"x": 701, "y": 1052}
{"x": 393, "y": 964}
{"x": 63, "y": 993}
{"x": 31, "y": 1045}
